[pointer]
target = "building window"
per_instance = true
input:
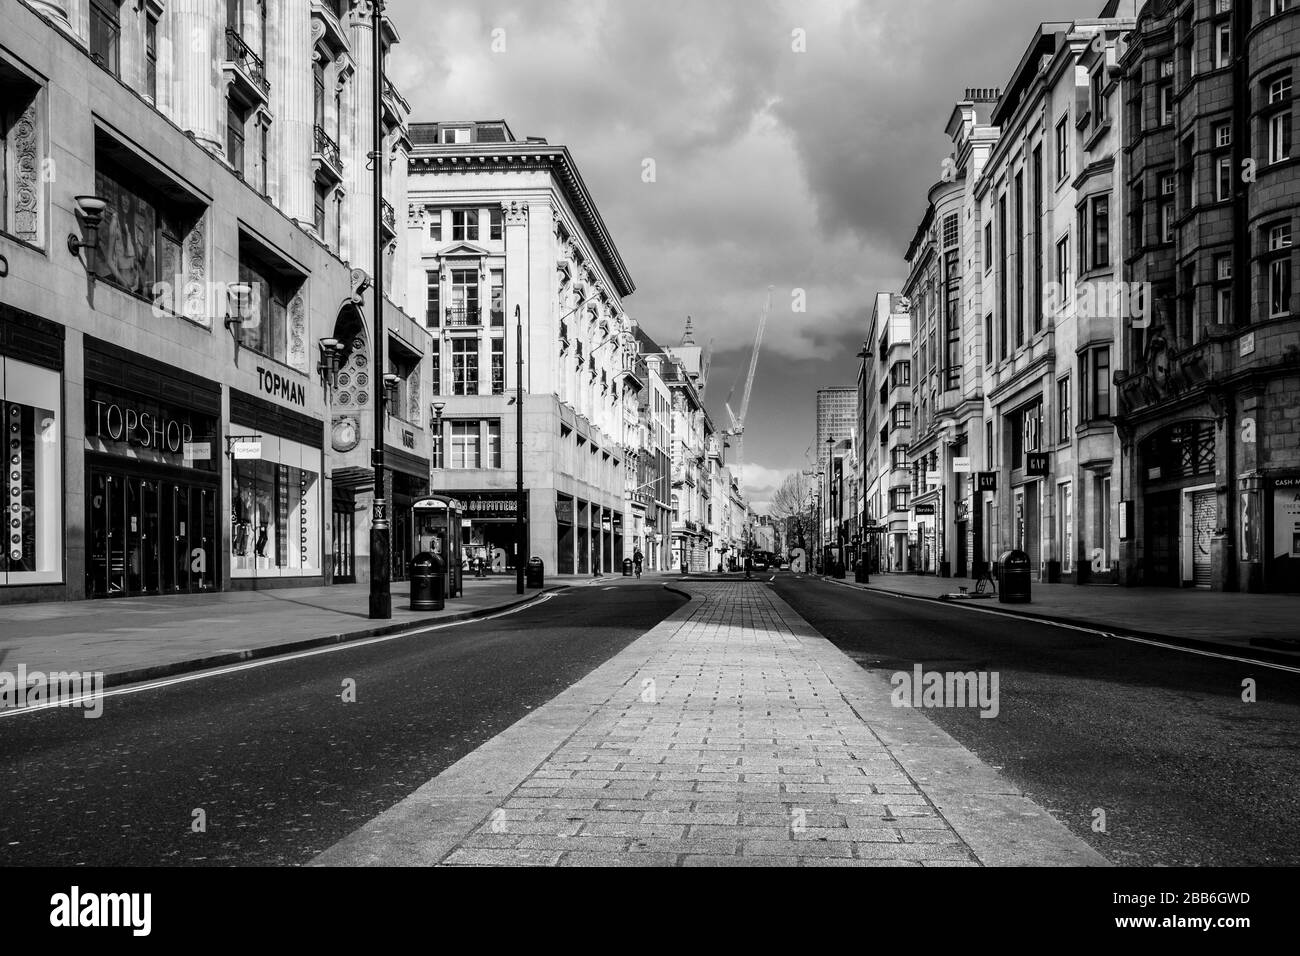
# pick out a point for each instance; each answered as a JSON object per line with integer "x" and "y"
{"x": 435, "y": 225}
{"x": 1098, "y": 86}
{"x": 1094, "y": 382}
{"x": 151, "y": 57}
{"x": 464, "y": 225}
{"x": 1278, "y": 6}
{"x": 1166, "y": 104}
{"x": 498, "y": 366}
{"x": 141, "y": 236}
{"x": 1063, "y": 148}
{"x": 1223, "y": 179}
{"x": 275, "y": 504}
{"x": 900, "y": 374}
{"x": 30, "y": 410}
{"x": 432, "y": 299}
{"x": 496, "y": 218}
{"x": 1020, "y": 259}
{"x": 988, "y": 339}
{"x": 464, "y": 366}
{"x": 1222, "y": 135}
{"x": 1101, "y": 232}
{"x": 456, "y": 135}
{"x": 498, "y": 300}
{"x": 494, "y": 444}
{"x": 267, "y": 332}
{"x": 465, "y": 445}
{"x": 901, "y": 416}
{"x": 898, "y": 459}
{"x": 1279, "y": 123}
{"x": 1064, "y": 424}
{"x": 319, "y": 213}
{"x": 464, "y": 297}
{"x": 105, "y": 30}
{"x": 899, "y": 499}
{"x": 1222, "y": 45}
{"x": 235, "y": 119}
{"x": 435, "y": 366}
{"x": 1279, "y": 270}
{"x": 1223, "y": 290}
{"x": 1002, "y": 277}
{"x": 1063, "y": 268}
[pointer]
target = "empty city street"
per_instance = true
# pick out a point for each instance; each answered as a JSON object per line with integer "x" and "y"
{"x": 281, "y": 766}
{"x": 1186, "y": 773}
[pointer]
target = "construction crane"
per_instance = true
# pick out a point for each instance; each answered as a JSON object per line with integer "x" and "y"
{"x": 737, "y": 430}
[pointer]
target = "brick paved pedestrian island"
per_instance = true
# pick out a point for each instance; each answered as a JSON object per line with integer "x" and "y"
{"x": 731, "y": 734}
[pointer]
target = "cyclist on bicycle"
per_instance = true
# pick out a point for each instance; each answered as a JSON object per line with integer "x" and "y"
{"x": 637, "y": 558}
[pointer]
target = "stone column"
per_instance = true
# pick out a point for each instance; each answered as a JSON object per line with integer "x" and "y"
{"x": 197, "y": 85}
{"x": 357, "y": 243}
{"x": 289, "y": 68}
{"x": 70, "y": 16}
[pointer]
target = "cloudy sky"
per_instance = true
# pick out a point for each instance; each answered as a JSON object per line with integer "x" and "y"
{"x": 801, "y": 170}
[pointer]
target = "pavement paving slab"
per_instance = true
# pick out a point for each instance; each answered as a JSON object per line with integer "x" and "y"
{"x": 731, "y": 734}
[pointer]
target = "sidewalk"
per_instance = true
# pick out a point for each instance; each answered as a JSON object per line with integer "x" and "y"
{"x": 731, "y": 734}
{"x": 144, "y": 638}
{"x": 1263, "y": 625}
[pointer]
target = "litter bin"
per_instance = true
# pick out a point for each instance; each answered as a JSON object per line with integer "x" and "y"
{"x": 427, "y": 576}
{"x": 534, "y": 572}
{"x": 1013, "y": 578}
{"x": 627, "y": 567}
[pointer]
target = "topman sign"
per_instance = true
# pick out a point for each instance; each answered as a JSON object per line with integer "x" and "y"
{"x": 278, "y": 386}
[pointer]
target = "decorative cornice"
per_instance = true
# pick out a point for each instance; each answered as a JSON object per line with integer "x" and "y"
{"x": 441, "y": 158}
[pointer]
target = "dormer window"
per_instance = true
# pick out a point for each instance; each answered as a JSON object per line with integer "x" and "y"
{"x": 456, "y": 135}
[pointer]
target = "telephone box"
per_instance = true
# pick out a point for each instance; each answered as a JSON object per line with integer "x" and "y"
{"x": 435, "y": 527}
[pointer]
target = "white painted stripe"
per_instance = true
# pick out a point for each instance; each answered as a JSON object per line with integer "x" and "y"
{"x": 1077, "y": 627}
{"x": 266, "y": 661}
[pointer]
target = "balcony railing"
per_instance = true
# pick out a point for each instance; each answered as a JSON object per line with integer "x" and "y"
{"x": 238, "y": 52}
{"x": 498, "y": 319}
{"x": 390, "y": 217}
{"x": 328, "y": 149}
{"x": 464, "y": 318}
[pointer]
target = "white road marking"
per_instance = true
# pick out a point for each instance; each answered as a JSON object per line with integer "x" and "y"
{"x": 279, "y": 659}
{"x": 1086, "y": 630}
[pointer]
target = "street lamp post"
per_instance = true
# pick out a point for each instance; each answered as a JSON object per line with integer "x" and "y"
{"x": 381, "y": 598}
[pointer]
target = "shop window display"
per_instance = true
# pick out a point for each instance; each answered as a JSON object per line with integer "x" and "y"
{"x": 275, "y": 519}
{"x": 29, "y": 399}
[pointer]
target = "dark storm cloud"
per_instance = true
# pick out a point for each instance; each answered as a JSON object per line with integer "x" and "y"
{"x": 797, "y": 170}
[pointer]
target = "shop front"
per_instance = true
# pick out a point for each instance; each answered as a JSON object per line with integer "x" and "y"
{"x": 1282, "y": 573}
{"x": 31, "y": 412}
{"x": 276, "y": 488}
{"x": 152, "y": 476}
{"x": 489, "y": 528}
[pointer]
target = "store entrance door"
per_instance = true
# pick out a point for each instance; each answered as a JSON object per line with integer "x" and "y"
{"x": 148, "y": 536}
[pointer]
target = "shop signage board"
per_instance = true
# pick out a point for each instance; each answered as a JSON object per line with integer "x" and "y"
{"x": 246, "y": 449}
{"x": 961, "y": 466}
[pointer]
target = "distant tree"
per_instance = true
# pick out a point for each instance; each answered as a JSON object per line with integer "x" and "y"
{"x": 794, "y": 508}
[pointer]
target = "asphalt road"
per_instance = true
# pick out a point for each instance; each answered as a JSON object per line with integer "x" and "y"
{"x": 282, "y": 767}
{"x": 1161, "y": 741}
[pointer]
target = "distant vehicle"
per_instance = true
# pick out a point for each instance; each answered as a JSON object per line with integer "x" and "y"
{"x": 760, "y": 562}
